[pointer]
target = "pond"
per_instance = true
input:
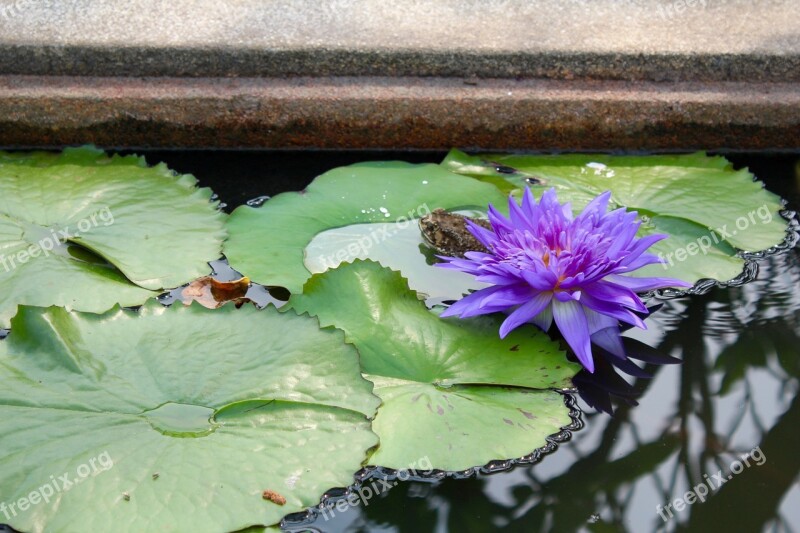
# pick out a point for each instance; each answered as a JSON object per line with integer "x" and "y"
{"x": 710, "y": 446}
{"x": 736, "y": 390}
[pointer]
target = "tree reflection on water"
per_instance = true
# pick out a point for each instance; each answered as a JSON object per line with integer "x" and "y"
{"x": 736, "y": 389}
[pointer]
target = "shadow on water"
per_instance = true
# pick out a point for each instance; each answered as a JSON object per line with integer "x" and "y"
{"x": 735, "y": 392}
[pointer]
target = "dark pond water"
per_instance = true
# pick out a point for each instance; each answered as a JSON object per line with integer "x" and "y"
{"x": 736, "y": 393}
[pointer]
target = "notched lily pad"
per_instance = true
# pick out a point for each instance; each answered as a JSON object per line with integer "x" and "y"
{"x": 85, "y": 231}
{"x": 368, "y": 210}
{"x": 710, "y": 210}
{"x": 453, "y": 391}
{"x": 161, "y": 423}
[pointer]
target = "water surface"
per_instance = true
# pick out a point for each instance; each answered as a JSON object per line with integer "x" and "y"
{"x": 736, "y": 393}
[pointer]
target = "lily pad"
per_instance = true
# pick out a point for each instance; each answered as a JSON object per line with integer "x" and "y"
{"x": 396, "y": 245}
{"x": 77, "y": 228}
{"x": 161, "y": 423}
{"x": 453, "y": 392}
{"x": 709, "y": 210}
{"x": 277, "y": 243}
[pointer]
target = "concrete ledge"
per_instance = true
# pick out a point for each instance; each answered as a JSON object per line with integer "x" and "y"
{"x": 505, "y": 74}
{"x": 689, "y": 40}
{"x": 384, "y": 112}
{"x": 131, "y": 61}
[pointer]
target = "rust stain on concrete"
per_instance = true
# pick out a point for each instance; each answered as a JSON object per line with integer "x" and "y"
{"x": 389, "y": 112}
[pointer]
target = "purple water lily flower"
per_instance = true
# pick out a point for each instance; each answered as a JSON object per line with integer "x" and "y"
{"x": 545, "y": 264}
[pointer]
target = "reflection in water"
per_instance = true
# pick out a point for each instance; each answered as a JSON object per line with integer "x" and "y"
{"x": 737, "y": 389}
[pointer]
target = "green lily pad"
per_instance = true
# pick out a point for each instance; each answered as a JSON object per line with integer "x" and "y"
{"x": 77, "y": 228}
{"x": 277, "y": 243}
{"x": 175, "y": 419}
{"x": 453, "y": 392}
{"x": 396, "y": 245}
{"x": 709, "y": 210}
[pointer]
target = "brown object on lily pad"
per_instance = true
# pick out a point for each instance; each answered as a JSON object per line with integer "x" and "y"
{"x": 212, "y": 293}
{"x": 274, "y": 497}
{"x": 447, "y": 233}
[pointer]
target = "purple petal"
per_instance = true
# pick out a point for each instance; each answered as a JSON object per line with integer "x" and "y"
{"x": 518, "y": 217}
{"x": 598, "y": 321}
{"x": 485, "y": 237}
{"x": 525, "y": 313}
{"x": 609, "y": 292}
{"x": 646, "y": 242}
{"x": 610, "y": 340}
{"x": 572, "y": 323}
{"x": 612, "y": 310}
{"x": 622, "y": 240}
{"x": 548, "y": 205}
{"x": 455, "y": 263}
{"x": 641, "y": 261}
{"x": 563, "y": 296}
{"x": 498, "y": 221}
{"x": 530, "y": 207}
{"x": 544, "y": 319}
{"x": 597, "y": 206}
{"x": 496, "y": 279}
{"x": 543, "y": 282}
{"x": 470, "y": 305}
{"x": 509, "y": 295}
{"x": 646, "y": 284}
